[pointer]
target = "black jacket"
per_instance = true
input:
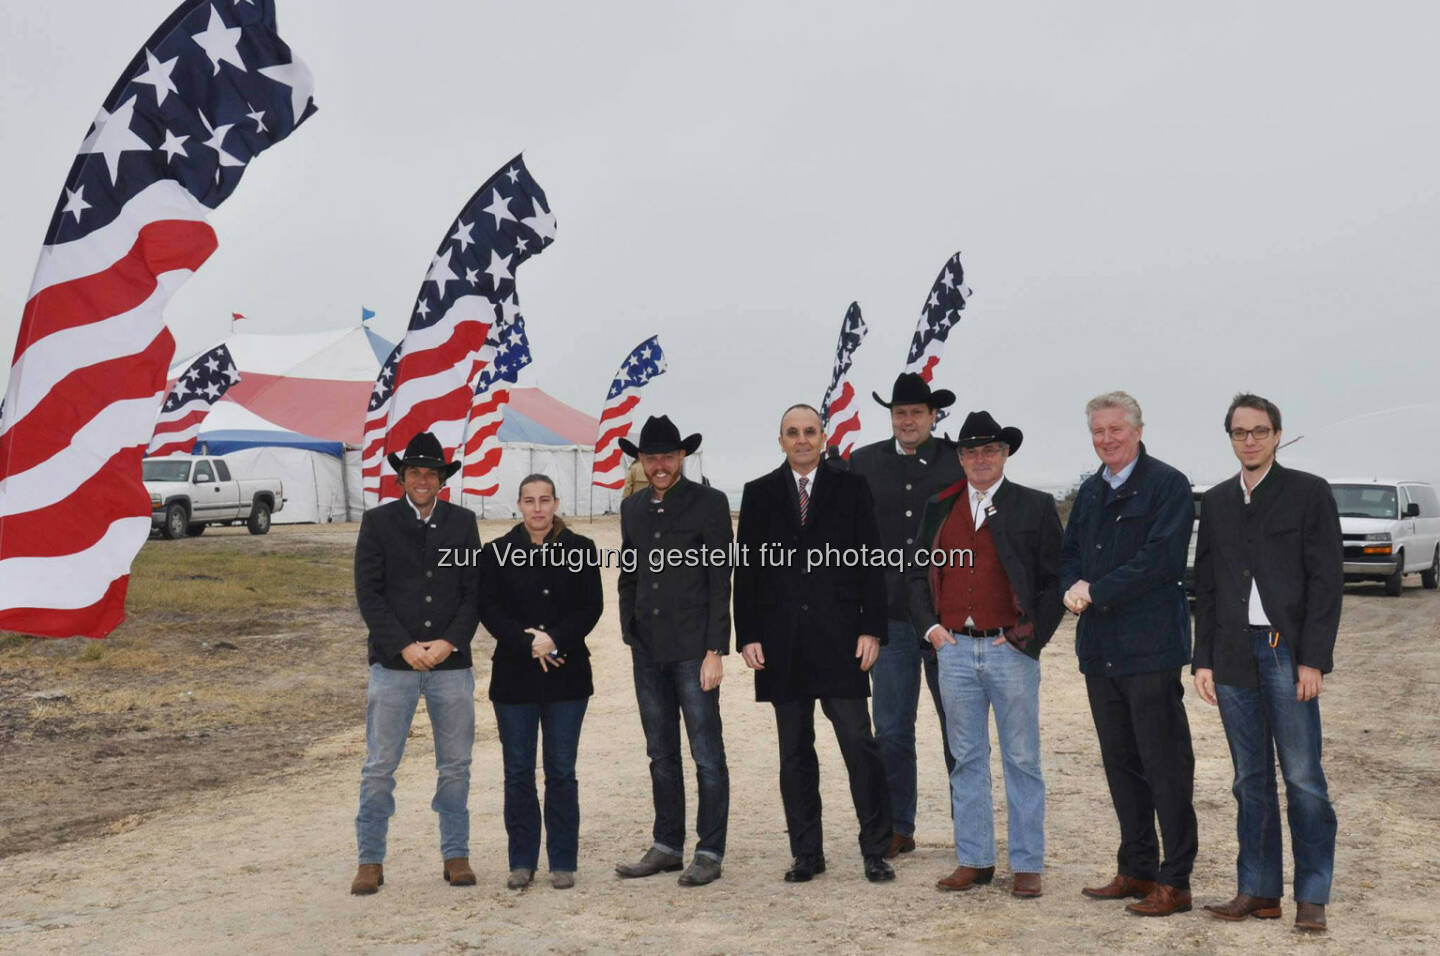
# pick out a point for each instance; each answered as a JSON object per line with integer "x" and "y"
{"x": 680, "y": 611}
{"x": 417, "y": 581}
{"x": 1288, "y": 538}
{"x": 807, "y": 623}
{"x": 900, "y": 485}
{"x": 1131, "y": 546}
{"x": 555, "y": 588}
{"x": 1025, "y": 527}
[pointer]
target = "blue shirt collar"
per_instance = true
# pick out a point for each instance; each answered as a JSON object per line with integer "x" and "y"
{"x": 1118, "y": 478}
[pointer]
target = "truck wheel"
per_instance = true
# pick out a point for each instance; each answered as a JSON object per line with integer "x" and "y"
{"x": 259, "y": 522}
{"x": 195, "y": 530}
{"x": 1431, "y": 578}
{"x": 1396, "y": 581}
{"x": 176, "y": 522}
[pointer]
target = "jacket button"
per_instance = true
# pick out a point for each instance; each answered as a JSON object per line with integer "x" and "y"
{"x": 804, "y": 607}
{"x": 427, "y": 623}
{"x": 909, "y": 540}
{"x": 657, "y": 534}
{"x": 907, "y": 487}
{"x": 654, "y": 585}
{"x": 428, "y": 599}
{"x": 907, "y": 512}
{"x": 429, "y": 574}
{"x": 544, "y": 590}
{"x": 1097, "y": 547}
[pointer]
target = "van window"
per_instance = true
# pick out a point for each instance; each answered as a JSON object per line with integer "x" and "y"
{"x": 203, "y": 472}
{"x": 1424, "y": 495}
{"x": 222, "y": 470}
{"x": 1365, "y": 501}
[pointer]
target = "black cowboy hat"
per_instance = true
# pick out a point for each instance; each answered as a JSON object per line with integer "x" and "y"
{"x": 981, "y": 428}
{"x": 424, "y": 451}
{"x": 911, "y": 389}
{"x": 659, "y": 436}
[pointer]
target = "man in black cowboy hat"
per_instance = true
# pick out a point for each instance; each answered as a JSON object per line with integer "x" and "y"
{"x": 987, "y": 598}
{"x": 422, "y": 610}
{"x": 904, "y": 471}
{"x": 675, "y": 615}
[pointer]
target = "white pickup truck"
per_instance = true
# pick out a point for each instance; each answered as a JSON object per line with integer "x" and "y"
{"x": 187, "y": 493}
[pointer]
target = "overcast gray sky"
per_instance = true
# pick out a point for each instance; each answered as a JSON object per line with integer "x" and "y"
{"x": 1178, "y": 200}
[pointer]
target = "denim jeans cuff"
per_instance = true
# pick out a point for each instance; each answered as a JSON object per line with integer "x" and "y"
{"x": 711, "y": 854}
{"x": 665, "y": 849}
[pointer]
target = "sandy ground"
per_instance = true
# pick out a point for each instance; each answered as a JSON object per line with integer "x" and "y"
{"x": 267, "y": 868}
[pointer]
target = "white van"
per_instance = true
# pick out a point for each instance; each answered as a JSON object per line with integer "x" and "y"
{"x": 1390, "y": 528}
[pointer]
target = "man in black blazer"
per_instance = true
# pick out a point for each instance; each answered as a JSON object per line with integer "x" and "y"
{"x": 418, "y": 591}
{"x": 987, "y": 598}
{"x": 675, "y": 616}
{"x": 810, "y": 619}
{"x": 1269, "y": 572}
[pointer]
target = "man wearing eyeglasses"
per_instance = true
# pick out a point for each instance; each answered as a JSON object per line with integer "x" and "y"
{"x": 1269, "y": 572}
{"x": 1122, "y": 568}
{"x": 987, "y": 618}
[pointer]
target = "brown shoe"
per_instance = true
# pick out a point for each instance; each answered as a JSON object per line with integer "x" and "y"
{"x": 1310, "y": 917}
{"x": 1162, "y": 901}
{"x": 368, "y": 879}
{"x": 899, "y": 843}
{"x": 1120, "y": 888}
{"x": 457, "y": 872}
{"x": 1026, "y": 885}
{"x": 966, "y": 878}
{"x": 1260, "y": 907}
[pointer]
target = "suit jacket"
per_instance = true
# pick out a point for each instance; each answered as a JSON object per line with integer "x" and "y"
{"x": 559, "y": 594}
{"x": 807, "y": 622}
{"x": 1288, "y": 540}
{"x": 1025, "y": 527}
{"x": 417, "y": 580}
{"x": 679, "y": 612}
{"x": 901, "y": 485}
{"x": 1130, "y": 544}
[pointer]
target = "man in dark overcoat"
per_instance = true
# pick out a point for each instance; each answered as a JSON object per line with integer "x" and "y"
{"x": 1269, "y": 573}
{"x": 417, "y": 587}
{"x": 810, "y": 618}
{"x": 675, "y": 616}
{"x": 904, "y": 471}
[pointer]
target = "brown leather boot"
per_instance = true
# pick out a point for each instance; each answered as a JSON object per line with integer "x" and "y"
{"x": 368, "y": 879}
{"x": 1120, "y": 888}
{"x": 1310, "y": 917}
{"x": 457, "y": 871}
{"x": 899, "y": 843}
{"x": 1260, "y": 907}
{"x": 1162, "y": 901}
{"x": 1025, "y": 885}
{"x": 966, "y": 878}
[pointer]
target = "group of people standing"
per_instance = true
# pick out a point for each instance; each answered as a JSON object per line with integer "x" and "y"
{"x": 1268, "y": 581}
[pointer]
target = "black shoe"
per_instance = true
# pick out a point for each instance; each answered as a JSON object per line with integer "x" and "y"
{"x": 654, "y": 861}
{"x": 804, "y": 869}
{"x": 877, "y": 870}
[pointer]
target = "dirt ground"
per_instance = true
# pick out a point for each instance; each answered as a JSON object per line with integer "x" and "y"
{"x": 243, "y": 840}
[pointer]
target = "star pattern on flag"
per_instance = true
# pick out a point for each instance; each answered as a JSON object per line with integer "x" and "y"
{"x": 644, "y": 363}
{"x": 210, "y": 374}
{"x": 852, "y": 333}
{"x": 942, "y": 311}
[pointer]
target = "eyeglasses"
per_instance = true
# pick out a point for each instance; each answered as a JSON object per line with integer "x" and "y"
{"x": 1259, "y": 433}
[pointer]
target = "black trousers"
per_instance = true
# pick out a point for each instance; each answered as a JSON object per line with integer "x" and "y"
{"x": 800, "y": 773}
{"x": 1150, "y": 766}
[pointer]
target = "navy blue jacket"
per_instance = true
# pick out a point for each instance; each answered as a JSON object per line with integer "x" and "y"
{"x": 1131, "y": 548}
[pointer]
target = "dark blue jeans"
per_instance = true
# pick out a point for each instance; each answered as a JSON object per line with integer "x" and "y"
{"x": 1261, "y": 723}
{"x": 665, "y": 693}
{"x": 895, "y": 693}
{"x": 558, "y": 722}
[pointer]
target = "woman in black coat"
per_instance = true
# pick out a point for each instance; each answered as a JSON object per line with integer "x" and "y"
{"x": 540, "y": 595}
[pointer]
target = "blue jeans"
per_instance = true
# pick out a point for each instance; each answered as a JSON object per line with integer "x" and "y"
{"x": 1261, "y": 722}
{"x": 976, "y": 676}
{"x": 389, "y": 707}
{"x": 665, "y": 693}
{"x": 559, "y": 721}
{"x": 895, "y": 693}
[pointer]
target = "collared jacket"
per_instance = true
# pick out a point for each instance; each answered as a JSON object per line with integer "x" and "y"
{"x": 553, "y": 587}
{"x": 1025, "y": 526}
{"x": 671, "y": 609}
{"x": 1287, "y": 539}
{"x": 901, "y": 485}
{"x": 807, "y": 622}
{"x": 1130, "y": 544}
{"x": 417, "y": 580}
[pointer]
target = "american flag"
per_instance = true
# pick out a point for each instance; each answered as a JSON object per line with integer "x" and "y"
{"x": 644, "y": 363}
{"x": 840, "y": 413}
{"x": 189, "y": 401}
{"x": 506, "y": 352}
{"x": 372, "y": 453}
{"x": 469, "y": 287}
{"x": 942, "y": 311}
{"x": 212, "y": 88}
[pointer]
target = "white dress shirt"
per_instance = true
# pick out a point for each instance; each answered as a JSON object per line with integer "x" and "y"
{"x": 1257, "y": 609}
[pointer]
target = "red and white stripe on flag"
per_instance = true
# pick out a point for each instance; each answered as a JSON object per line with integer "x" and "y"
{"x": 480, "y": 476}
{"x": 844, "y": 421}
{"x": 615, "y": 424}
{"x": 175, "y": 432}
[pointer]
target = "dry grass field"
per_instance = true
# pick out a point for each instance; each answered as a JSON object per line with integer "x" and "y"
{"x": 190, "y": 783}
